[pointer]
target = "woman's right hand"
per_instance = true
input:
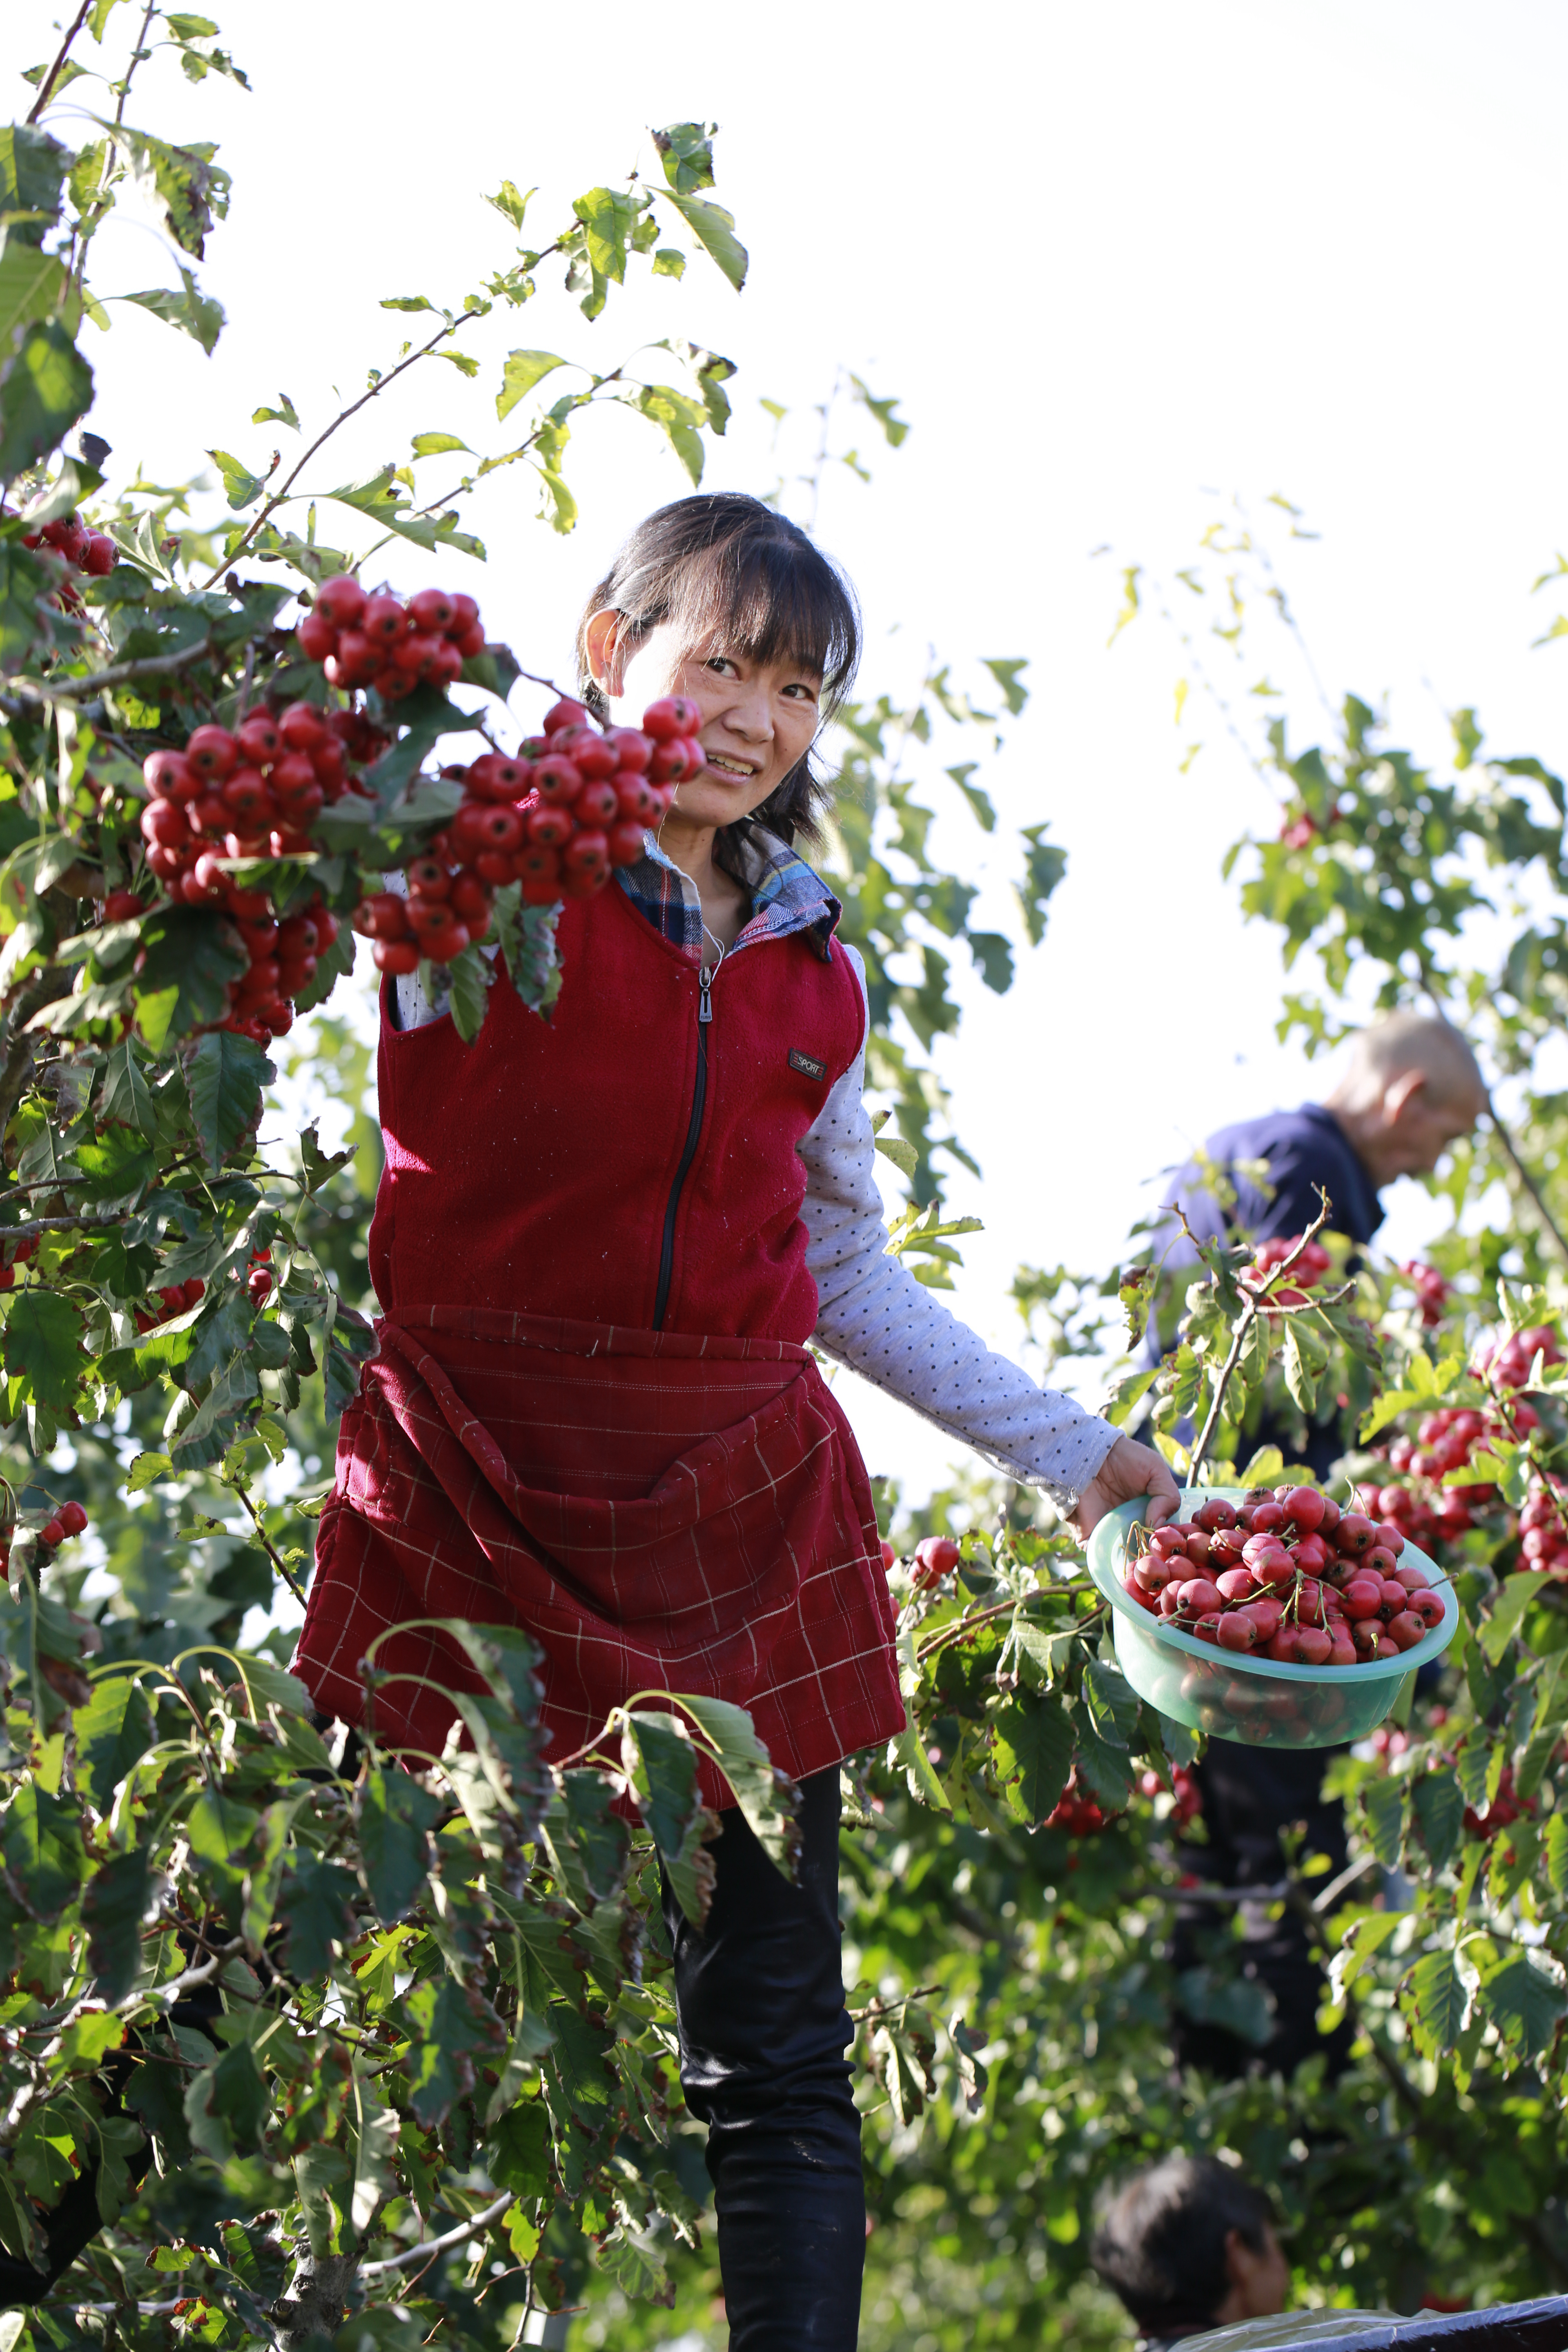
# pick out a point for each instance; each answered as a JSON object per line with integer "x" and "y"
{"x": 1128, "y": 1469}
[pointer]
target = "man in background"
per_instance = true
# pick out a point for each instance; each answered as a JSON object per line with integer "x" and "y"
{"x": 1189, "y": 2245}
{"x": 1410, "y": 1088}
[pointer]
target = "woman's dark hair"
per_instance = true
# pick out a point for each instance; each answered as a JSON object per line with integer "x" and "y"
{"x": 1160, "y": 2241}
{"x": 736, "y": 576}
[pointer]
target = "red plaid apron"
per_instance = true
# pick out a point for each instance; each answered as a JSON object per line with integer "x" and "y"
{"x": 662, "y": 1511}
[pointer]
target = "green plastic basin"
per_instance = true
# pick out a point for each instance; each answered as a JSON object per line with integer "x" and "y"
{"x": 1255, "y": 1700}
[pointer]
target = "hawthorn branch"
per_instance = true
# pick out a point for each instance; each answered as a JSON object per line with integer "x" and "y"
{"x": 269, "y": 506}
{"x": 439, "y": 2245}
{"x": 1257, "y": 1300}
{"x": 1512, "y": 1154}
{"x": 78, "y": 690}
{"x": 46, "y": 87}
{"x": 273, "y": 1554}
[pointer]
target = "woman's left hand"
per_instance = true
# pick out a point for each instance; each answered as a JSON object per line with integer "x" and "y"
{"x": 1128, "y": 1470}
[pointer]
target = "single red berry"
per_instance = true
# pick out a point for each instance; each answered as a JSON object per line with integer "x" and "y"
{"x": 316, "y": 637}
{"x": 52, "y": 1533}
{"x": 597, "y": 805}
{"x": 384, "y": 621}
{"x": 195, "y": 1290}
{"x": 340, "y": 601}
{"x": 394, "y": 955}
{"x": 675, "y": 714}
{"x": 586, "y": 853}
{"x": 122, "y": 907}
{"x": 556, "y": 779}
{"x": 258, "y": 1283}
{"x": 671, "y": 762}
{"x": 213, "y": 752}
{"x": 566, "y": 713}
{"x": 632, "y": 747}
{"x": 502, "y": 829}
{"x": 258, "y": 737}
{"x": 246, "y": 795}
{"x": 170, "y": 776}
{"x": 470, "y": 901}
{"x": 628, "y": 841}
{"x": 100, "y": 556}
{"x": 429, "y": 879}
{"x": 304, "y": 728}
{"x": 551, "y": 826}
{"x": 464, "y": 614}
{"x": 166, "y": 823}
{"x": 427, "y": 917}
{"x": 72, "y": 1518}
{"x": 432, "y": 609}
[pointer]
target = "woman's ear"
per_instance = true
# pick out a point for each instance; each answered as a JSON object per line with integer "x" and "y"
{"x": 607, "y": 648}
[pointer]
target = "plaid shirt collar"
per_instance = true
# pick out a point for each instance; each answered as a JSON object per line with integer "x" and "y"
{"x": 786, "y": 896}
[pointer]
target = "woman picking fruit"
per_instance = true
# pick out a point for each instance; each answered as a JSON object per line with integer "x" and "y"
{"x": 602, "y": 1243}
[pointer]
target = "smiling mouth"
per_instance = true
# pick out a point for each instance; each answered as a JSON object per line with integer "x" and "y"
{"x": 726, "y": 767}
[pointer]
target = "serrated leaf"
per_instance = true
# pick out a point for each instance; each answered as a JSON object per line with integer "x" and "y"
{"x": 113, "y": 1732}
{"x": 1440, "y": 2002}
{"x": 240, "y": 486}
{"x": 190, "y": 955}
{"x": 42, "y": 1348}
{"x": 769, "y": 1799}
{"x": 470, "y": 974}
{"x": 1383, "y": 1804}
{"x": 662, "y": 1765}
{"x": 1501, "y": 1622}
{"x": 714, "y": 230}
{"x": 455, "y": 2025}
{"x": 196, "y": 314}
{"x": 126, "y": 1097}
{"x": 395, "y": 1817}
{"x": 224, "y": 1079}
{"x": 315, "y": 1903}
{"x": 520, "y": 375}
{"x": 284, "y": 414}
{"x": 511, "y": 203}
{"x": 1525, "y": 2004}
{"x": 1033, "y": 1747}
{"x": 1112, "y": 1703}
{"x": 435, "y": 444}
{"x": 45, "y": 386}
{"x": 115, "y": 1903}
{"x": 1439, "y": 1806}
{"x": 1555, "y": 1849}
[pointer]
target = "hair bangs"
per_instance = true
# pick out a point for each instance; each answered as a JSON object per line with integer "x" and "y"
{"x": 770, "y": 600}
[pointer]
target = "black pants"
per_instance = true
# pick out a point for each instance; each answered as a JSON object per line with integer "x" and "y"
{"x": 763, "y": 2030}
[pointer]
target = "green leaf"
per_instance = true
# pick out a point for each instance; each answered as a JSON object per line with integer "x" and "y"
{"x": 1439, "y": 1815}
{"x": 454, "y": 2023}
{"x": 1006, "y": 675}
{"x": 908, "y": 1751}
{"x": 224, "y": 1078}
{"x": 220, "y": 1829}
{"x": 768, "y": 1798}
{"x": 126, "y": 1099}
{"x": 1502, "y": 1621}
{"x": 685, "y": 151}
{"x": 113, "y": 1732}
{"x": 1112, "y": 1703}
{"x": 522, "y": 372}
{"x": 581, "y": 2064}
{"x": 33, "y": 284}
{"x": 117, "y": 1901}
{"x": 509, "y": 203}
{"x": 435, "y": 444}
{"x": 590, "y": 1846}
{"x": 662, "y": 1763}
{"x": 315, "y": 1905}
{"x": 527, "y": 938}
{"x": 190, "y": 955}
{"x": 284, "y": 414}
{"x": 1033, "y": 1746}
{"x": 239, "y": 486}
{"x": 517, "y": 2156}
{"x": 979, "y": 802}
{"x": 195, "y": 313}
{"x": 23, "y": 587}
{"x": 1383, "y": 1802}
{"x": 181, "y": 183}
{"x": 33, "y": 167}
{"x": 1555, "y": 1849}
{"x": 44, "y": 385}
{"x": 227, "y": 2104}
{"x": 395, "y": 1817}
{"x": 42, "y": 1348}
{"x": 680, "y": 419}
{"x": 1044, "y": 865}
{"x": 470, "y": 976}
{"x": 405, "y": 302}
{"x": 383, "y": 499}
{"x": 669, "y": 261}
{"x": 1525, "y": 2004}
{"x": 714, "y": 229}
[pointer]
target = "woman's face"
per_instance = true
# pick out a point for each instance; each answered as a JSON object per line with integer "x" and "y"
{"x": 758, "y": 718}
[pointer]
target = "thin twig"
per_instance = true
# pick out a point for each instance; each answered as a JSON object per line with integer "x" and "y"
{"x": 272, "y": 1551}
{"x": 46, "y": 87}
{"x": 1257, "y": 1300}
{"x": 270, "y": 506}
{"x": 76, "y": 689}
{"x": 137, "y": 54}
{"x": 439, "y": 2245}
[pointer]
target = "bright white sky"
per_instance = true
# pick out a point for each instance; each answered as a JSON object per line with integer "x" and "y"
{"x": 1107, "y": 259}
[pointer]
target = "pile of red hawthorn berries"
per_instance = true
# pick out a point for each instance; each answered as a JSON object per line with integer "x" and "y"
{"x": 174, "y": 1299}
{"x": 1289, "y": 1576}
{"x": 92, "y": 551}
{"x": 1448, "y": 1438}
{"x": 573, "y": 802}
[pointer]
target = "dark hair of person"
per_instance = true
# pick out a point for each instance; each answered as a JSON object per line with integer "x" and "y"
{"x": 734, "y": 576}
{"x": 1160, "y": 2241}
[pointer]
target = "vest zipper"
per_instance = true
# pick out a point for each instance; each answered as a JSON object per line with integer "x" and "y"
{"x": 694, "y": 1129}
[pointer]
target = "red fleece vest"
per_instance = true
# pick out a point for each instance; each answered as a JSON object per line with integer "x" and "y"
{"x": 561, "y": 1167}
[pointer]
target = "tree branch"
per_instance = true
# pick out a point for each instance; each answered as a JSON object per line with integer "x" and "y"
{"x": 439, "y": 2245}
{"x": 269, "y": 506}
{"x": 74, "y": 689}
{"x": 46, "y": 87}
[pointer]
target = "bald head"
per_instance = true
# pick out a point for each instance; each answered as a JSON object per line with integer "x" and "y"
{"x": 1411, "y": 1087}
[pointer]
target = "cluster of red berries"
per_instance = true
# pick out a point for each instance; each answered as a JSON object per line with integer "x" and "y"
{"x": 69, "y": 1521}
{"x": 175, "y": 1298}
{"x": 258, "y": 1281}
{"x": 1503, "y": 1811}
{"x": 254, "y": 792}
{"x": 1431, "y": 1292}
{"x": 92, "y": 551}
{"x": 935, "y": 1557}
{"x": 1309, "y": 1270}
{"x": 382, "y": 643}
{"x": 1508, "y": 1365}
{"x": 1544, "y": 1531}
{"x": 573, "y": 803}
{"x": 1287, "y": 1575}
{"x": 1077, "y": 1812}
{"x": 1300, "y": 832}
